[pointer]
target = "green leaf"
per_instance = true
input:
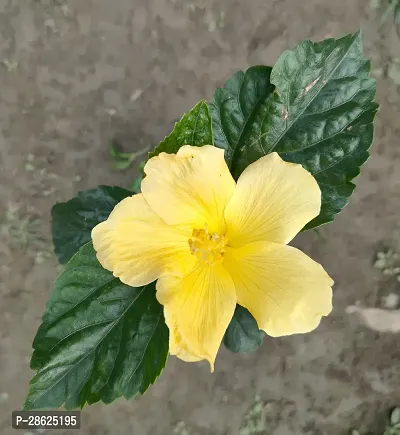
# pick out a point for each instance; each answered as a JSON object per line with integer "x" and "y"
{"x": 235, "y": 115}
{"x": 73, "y": 221}
{"x": 122, "y": 160}
{"x": 99, "y": 340}
{"x": 243, "y": 334}
{"x": 194, "y": 128}
{"x": 137, "y": 182}
{"x": 320, "y": 116}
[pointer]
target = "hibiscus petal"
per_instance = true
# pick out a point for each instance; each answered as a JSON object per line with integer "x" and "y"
{"x": 138, "y": 246}
{"x": 190, "y": 188}
{"x": 201, "y": 305}
{"x": 285, "y": 290}
{"x": 177, "y": 346}
{"x": 272, "y": 202}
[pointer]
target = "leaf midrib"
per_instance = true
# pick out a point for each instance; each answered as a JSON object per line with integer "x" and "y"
{"x": 296, "y": 118}
{"x": 240, "y": 325}
{"x": 93, "y": 349}
{"x": 314, "y": 144}
{"x": 238, "y": 147}
{"x": 147, "y": 345}
{"x": 80, "y": 301}
{"x": 195, "y": 123}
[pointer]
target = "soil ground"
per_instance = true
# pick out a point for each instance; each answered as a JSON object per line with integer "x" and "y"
{"x": 76, "y": 73}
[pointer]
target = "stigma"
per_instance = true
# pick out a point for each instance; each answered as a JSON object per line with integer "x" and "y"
{"x": 208, "y": 248}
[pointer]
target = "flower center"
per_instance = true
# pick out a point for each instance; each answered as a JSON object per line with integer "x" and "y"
{"x": 207, "y": 247}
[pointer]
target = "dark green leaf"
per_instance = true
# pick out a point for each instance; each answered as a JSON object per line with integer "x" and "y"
{"x": 194, "y": 128}
{"x": 243, "y": 334}
{"x": 320, "y": 115}
{"x": 73, "y": 221}
{"x": 235, "y": 115}
{"x": 99, "y": 340}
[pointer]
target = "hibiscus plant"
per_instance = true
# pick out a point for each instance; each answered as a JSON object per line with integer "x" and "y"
{"x": 200, "y": 255}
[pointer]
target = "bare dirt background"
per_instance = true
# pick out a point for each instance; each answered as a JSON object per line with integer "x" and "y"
{"x": 76, "y": 73}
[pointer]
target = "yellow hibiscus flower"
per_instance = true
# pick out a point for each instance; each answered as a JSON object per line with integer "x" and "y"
{"x": 212, "y": 243}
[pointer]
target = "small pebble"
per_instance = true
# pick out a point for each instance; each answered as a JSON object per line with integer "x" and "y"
{"x": 4, "y": 397}
{"x": 391, "y": 301}
{"x": 29, "y": 167}
{"x": 374, "y": 4}
{"x": 111, "y": 112}
{"x": 135, "y": 95}
{"x": 48, "y": 192}
{"x": 65, "y": 10}
{"x": 10, "y": 65}
{"x": 394, "y": 71}
{"x": 377, "y": 72}
{"x": 50, "y": 24}
{"x": 181, "y": 429}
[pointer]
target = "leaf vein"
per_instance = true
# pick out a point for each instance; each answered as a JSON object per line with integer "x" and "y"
{"x": 317, "y": 91}
{"x": 91, "y": 350}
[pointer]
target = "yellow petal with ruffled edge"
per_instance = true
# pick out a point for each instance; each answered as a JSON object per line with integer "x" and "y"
{"x": 272, "y": 202}
{"x": 138, "y": 246}
{"x": 201, "y": 305}
{"x": 177, "y": 346}
{"x": 190, "y": 188}
{"x": 285, "y": 290}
